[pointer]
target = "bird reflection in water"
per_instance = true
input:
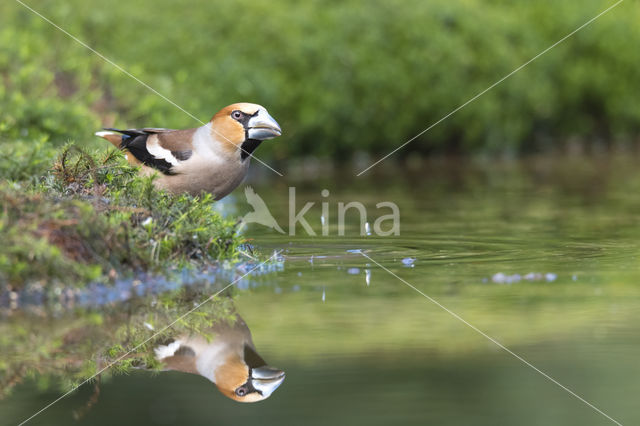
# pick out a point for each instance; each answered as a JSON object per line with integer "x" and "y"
{"x": 225, "y": 355}
{"x": 216, "y": 344}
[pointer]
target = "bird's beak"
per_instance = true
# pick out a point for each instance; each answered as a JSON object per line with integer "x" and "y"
{"x": 266, "y": 379}
{"x": 262, "y": 126}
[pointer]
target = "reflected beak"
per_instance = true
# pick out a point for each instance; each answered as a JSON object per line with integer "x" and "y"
{"x": 263, "y": 126}
{"x": 266, "y": 379}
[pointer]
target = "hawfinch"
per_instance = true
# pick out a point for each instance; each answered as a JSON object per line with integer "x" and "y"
{"x": 212, "y": 158}
{"x": 225, "y": 355}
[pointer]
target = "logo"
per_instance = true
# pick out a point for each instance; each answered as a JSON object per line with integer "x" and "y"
{"x": 260, "y": 214}
{"x": 384, "y": 225}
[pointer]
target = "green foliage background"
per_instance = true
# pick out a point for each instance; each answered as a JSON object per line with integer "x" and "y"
{"x": 340, "y": 76}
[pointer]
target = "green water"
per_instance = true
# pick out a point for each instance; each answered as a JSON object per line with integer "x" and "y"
{"x": 360, "y": 346}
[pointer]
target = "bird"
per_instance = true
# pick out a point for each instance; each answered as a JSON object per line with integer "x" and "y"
{"x": 212, "y": 158}
{"x": 224, "y": 354}
{"x": 260, "y": 213}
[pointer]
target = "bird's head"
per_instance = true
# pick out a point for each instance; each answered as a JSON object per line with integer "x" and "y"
{"x": 248, "y": 378}
{"x": 241, "y": 127}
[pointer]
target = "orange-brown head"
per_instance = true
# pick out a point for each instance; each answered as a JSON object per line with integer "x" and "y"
{"x": 242, "y": 126}
{"x": 248, "y": 379}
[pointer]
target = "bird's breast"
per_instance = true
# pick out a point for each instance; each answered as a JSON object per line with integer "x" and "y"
{"x": 208, "y": 173}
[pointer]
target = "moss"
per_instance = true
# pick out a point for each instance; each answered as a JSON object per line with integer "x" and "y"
{"x": 92, "y": 217}
{"x": 23, "y": 161}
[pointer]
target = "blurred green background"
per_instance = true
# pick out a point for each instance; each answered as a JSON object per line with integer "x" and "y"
{"x": 341, "y": 77}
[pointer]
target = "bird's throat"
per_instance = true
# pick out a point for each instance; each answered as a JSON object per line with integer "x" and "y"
{"x": 248, "y": 146}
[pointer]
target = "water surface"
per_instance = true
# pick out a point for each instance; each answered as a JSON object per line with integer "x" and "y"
{"x": 359, "y": 346}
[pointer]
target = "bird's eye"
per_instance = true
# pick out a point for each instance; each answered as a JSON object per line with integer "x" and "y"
{"x": 237, "y": 115}
{"x": 241, "y": 391}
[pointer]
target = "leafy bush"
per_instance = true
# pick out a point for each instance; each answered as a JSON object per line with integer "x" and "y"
{"x": 339, "y": 76}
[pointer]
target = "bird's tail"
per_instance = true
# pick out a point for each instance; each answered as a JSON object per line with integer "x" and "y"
{"x": 117, "y": 137}
{"x": 113, "y": 137}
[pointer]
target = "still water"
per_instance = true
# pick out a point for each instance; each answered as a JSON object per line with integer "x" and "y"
{"x": 541, "y": 255}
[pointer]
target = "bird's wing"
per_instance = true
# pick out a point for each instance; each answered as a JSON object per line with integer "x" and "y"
{"x": 161, "y": 149}
{"x": 157, "y": 130}
{"x": 183, "y": 359}
{"x": 178, "y": 142}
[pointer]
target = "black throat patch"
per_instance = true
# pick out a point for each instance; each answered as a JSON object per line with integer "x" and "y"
{"x": 248, "y": 146}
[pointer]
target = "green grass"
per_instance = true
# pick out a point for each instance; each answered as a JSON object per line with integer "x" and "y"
{"x": 93, "y": 218}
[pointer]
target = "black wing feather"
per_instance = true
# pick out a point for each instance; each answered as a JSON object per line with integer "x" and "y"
{"x": 135, "y": 141}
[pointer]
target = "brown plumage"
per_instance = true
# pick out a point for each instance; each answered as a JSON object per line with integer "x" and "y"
{"x": 212, "y": 158}
{"x": 225, "y": 355}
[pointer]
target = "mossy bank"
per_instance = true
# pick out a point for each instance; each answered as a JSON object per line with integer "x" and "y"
{"x": 91, "y": 217}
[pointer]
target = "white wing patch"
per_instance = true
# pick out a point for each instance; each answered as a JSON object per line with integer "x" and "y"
{"x": 165, "y": 351}
{"x": 159, "y": 152}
